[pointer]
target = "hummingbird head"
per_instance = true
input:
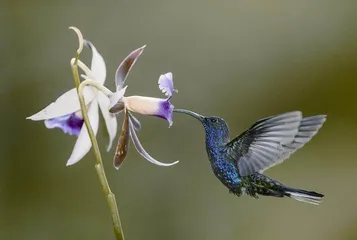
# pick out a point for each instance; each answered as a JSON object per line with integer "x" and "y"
{"x": 216, "y": 128}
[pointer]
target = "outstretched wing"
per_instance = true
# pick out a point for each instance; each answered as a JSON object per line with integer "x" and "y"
{"x": 271, "y": 140}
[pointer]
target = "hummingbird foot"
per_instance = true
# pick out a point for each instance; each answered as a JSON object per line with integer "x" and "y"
{"x": 241, "y": 190}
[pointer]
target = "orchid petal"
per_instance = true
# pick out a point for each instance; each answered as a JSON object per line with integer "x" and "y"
{"x": 150, "y": 106}
{"x": 83, "y": 143}
{"x": 85, "y": 77}
{"x": 125, "y": 67}
{"x": 70, "y": 124}
{"x": 115, "y": 97}
{"x": 98, "y": 67}
{"x": 136, "y": 123}
{"x": 142, "y": 151}
{"x": 117, "y": 108}
{"x": 109, "y": 118}
{"x": 123, "y": 143}
{"x": 166, "y": 84}
{"x": 66, "y": 104}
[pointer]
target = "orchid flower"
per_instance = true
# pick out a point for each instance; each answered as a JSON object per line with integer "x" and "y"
{"x": 65, "y": 112}
{"x": 143, "y": 105}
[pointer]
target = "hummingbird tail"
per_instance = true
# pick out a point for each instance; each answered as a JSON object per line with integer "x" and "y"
{"x": 304, "y": 196}
{"x": 263, "y": 185}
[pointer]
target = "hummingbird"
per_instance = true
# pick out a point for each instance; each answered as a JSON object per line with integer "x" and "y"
{"x": 239, "y": 163}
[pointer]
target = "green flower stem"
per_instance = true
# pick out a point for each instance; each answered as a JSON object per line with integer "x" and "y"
{"x": 75, "y": 71}
{"x": 99, "y": 163}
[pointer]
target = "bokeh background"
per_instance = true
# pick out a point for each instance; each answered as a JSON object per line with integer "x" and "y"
{"x": 241, "y": 60}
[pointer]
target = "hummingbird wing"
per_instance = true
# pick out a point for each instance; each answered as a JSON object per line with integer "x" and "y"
{"x": 271, "y": 140}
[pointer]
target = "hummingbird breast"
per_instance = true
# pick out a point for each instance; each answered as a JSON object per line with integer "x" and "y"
{"x": 225, "y": 170}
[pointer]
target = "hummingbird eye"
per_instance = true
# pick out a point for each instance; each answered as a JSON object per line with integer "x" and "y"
{"x": 213, "y": 120}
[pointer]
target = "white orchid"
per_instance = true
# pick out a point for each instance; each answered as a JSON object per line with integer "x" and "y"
{"x": 65, "y": 112}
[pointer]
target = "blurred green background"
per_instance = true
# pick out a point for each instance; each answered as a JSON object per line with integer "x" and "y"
{"x": 241, "y": 60}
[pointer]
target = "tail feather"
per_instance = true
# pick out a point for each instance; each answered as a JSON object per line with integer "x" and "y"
{"x": 305, "y": 196}
{"x": 263, "y": 185}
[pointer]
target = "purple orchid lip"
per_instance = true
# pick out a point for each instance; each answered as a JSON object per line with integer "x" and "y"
{"x": 70, "y": 124}
{"x": 165, "y": 111}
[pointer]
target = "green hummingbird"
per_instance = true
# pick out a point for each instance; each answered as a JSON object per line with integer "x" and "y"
{"x": 239, "y": 163}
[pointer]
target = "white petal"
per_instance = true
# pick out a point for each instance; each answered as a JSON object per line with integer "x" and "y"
{"x": 85, "y": 77}
{"x": 115, "y": 97}
{"x": 98, "y": 68}
{"x": 65, "y": 104}
{"x": 142, "y": 151}
{"x": 136, "y": 123}
{"x": 83, "y": 143}
{"x": 109, "y": 118}
{"x": 125, "y": 67}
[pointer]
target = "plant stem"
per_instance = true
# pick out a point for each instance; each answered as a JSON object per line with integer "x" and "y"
{"x": 99, "y": 163}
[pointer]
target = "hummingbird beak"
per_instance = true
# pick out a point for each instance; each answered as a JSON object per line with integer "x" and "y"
{"x": 193, "y": 114}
